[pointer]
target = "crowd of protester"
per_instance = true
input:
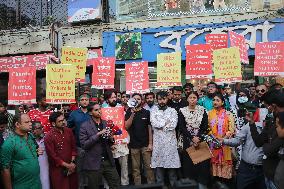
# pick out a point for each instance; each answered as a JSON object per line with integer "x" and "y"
{"x": 67, "y": 147}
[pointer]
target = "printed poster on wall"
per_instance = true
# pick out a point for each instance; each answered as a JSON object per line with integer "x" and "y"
{"x": 116, "y": 114}
{"x": 169, "y": 69}
{"x": 269, "y": 59}
{"x": 137, "y": 78}
{"x": 217, "y": 41}
{"x": 198, "y": 61}
{"x": 22, "y": 86}
{"x": 103, "y": 73}
{"x": 227, "y": 65}
{"x": 239, "y": 41}
{"x": 60, "y": 83}
{"x": 78, "y": 58}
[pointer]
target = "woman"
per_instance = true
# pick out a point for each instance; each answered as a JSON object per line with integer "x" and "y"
{"x": 221, "y": 123}
{"x": 193, "y": 122}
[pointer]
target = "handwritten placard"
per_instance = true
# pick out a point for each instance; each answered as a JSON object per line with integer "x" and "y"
{"x": 22, "y": 86}
{"x": 103, "y": 73}
{"x": 198, "y": 61}
{"x": 60, "y": 83}
{"x": 76, "y": 57}
{"x": 239, "y": 41}
{"x": 227, "y": 65}
{"x": 269, "y": 59}
{"x": 116, "y": 114}
{"x": 137, "y": 78}
{"x": 169, "y": 69}
{"x": 217, "y": 41}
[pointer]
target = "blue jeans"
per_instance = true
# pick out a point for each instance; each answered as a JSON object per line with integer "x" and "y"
{"x": 270, "y": 184}
{"x": 250, "y": 176}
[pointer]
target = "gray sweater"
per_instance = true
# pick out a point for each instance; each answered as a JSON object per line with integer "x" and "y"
{"x": 250, "y": 153}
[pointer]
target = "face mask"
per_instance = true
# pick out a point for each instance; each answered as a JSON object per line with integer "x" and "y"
{"x": 243, "y": 99}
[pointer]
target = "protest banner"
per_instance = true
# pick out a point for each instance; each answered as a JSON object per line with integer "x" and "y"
{"x": 217, "y": 41}
{"x": 116, "y": 114}
{"x": 38, "y": 61}
{"x": 137, "y": 78}
{"x": 227, "y": 65}
{"x": 92, "y": 55}
{"x": 22, "y": 86}
{"x": 239, "y": 41}
{"x": 76, "y": 57}
{"x": 60, "y": 83}
{"x": 169, "y": 69}
{"x": 198, "y": 61}
{"x": 103, "y": 73}
{"x": 269, "y": 59}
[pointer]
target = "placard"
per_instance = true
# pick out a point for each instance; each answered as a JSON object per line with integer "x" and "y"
{"x": 137, "y": 78}
{"x": 76, "y": 57}
{"x": 239, "y": 41}
{"x": 227, "y": 65}
{"x": 103, "y": 73}
{"x": 22, "y": 86}
{"x": 116, "y": 114}
{"x": 269, "y": 59}
{"x": 60, "y": 83}
{"x": 93, "y": 54}
{"x": 169, "y": 69}
{"x": 217, "y": 41}
{"x": 198, "y": 61}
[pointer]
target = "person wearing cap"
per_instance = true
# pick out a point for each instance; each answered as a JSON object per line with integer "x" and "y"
{"x": 76, "y": 118}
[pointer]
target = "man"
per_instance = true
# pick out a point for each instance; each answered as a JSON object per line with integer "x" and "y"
{"x": 61, "y": 151}
{"x": 187, "y": 88}
{"x": 207, "y": 101}
{"x": 118, "y": 97}
{"x": 41, "y": 114}
{"x": 165, "y": 155}
{"x": 230, "y": 95}
{"x": 3, "y": 127}
{"x": 120, "y": 150}
{"x": 124, "y": 99}
{"x": 140, "y": 131}
{"x": 250, "y": 173}
{"x": 9, "y": 116}
{"x": 76, "y": 118}
{"x": 150, "y": 103}
{"x": 98, "y": 157}
{"x": 177, "y": 101}
{"x": 37, "y": 130}
{"x": 252, "y": 92}
{"x": 19, "y": 157}
{"x": 260, "y": 91}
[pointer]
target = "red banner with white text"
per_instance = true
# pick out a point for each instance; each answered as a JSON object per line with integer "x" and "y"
{"x": 239, "y": 41}
{"x": 103, "y": 73}
{"x": 217, "y": 41}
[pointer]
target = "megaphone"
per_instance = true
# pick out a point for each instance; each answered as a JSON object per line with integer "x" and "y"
{"x": 132, "y": 103}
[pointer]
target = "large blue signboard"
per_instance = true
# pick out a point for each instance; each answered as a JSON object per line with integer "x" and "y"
{"x": 172, "y": 39}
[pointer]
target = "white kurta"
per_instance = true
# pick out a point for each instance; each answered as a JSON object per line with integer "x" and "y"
{"x": 165, "y": 153}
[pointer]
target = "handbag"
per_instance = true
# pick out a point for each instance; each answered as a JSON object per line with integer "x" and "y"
{"x": 200, "y": 153}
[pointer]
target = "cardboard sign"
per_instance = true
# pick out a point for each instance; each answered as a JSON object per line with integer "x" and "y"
{"x": 269, "y": 59}
{"x": 76, "y": 57}
{"x": 60, "y": 83}
{"x": 198, "y": 61}
{"x": 103, "y": 73}
{"x": 169, "y": 69}
{"x": 22, "y": 86}
{"x": 227, "y": 65}
{"x": 116, "y": 114}
{"x": 200, "y": 153}
{"x": 137, "y": 78}
{"x": 217, "y": 41}
{"x": 38, "y": 61}
{"x": 239, "y": 41}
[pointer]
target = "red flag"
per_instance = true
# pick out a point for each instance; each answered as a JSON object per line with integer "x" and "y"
{"x": 269, "y": 59}
{"x": 198, "y": 61}
{"x": 240, "y": 42}
{"x": 217, "y": 41}
{"x": 22, "y": 86}
{"x": 137, "y": 78}
{"x": 103, "y": 73}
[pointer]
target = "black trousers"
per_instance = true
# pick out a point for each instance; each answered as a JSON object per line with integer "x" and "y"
{"x": 108, "y": 171}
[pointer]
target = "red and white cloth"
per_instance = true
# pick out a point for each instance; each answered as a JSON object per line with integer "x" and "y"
{"x": 42, "y": 117}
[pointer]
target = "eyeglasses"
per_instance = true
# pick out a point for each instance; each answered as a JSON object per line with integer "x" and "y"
{"x": 262, "y": 90}
{"x": 211, "y": 87}
{"x": 96, "y": 110}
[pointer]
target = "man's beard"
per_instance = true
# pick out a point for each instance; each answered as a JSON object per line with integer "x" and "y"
{"x": 112, "y": 104}
{"x": 162, "y": 106}
{"x": 84, "y": 107}
{"x": 150, "y": 104}
{"x": 210, "y": 95}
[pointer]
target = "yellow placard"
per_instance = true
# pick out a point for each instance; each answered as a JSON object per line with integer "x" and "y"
{"x": 60, "y": 83}
{"x": 169, "y": 69}
{"x": 77, "y": 57}
{"x": 227, "y": 65}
